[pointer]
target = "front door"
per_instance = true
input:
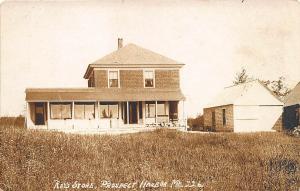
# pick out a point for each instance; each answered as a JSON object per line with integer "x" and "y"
{"x": 173, "y": 111}
{"x": 39, "y": 113}
{"x": 133, "y": 117}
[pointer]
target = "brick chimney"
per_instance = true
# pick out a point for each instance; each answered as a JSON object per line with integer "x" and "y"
{"x": 120, "y": 43}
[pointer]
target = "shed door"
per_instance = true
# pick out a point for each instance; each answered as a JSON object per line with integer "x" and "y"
{"x": 213, "y": 119}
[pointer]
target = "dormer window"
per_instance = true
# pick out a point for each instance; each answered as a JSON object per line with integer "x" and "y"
{"x": 113, "y": 79}
{"x": 149, "y": 78}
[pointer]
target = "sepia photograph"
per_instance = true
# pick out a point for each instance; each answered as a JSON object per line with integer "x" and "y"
{"x": 149, "y": 95}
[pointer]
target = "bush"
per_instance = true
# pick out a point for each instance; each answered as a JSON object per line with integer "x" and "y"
{"x": 196, "y": 124}
{"x": 13, "y": 122}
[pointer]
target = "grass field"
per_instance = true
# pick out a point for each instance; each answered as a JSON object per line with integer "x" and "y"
{"x": 35, "y": 160}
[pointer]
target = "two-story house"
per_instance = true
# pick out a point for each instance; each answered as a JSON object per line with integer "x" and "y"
{"x": 131, "y": 87}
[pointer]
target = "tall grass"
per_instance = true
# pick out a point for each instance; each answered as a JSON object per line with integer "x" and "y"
{"x": 33, "y": 160}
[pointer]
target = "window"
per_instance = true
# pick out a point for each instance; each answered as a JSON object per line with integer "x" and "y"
{"x": 61, "y": 110}
{"x": 149, "y": 78}
{"x": 84, "y": 110}
{"x": 150, "y": 109}
{"x": 91, "y": 82}
{"x": 297, "y": 112}
{"x": 113, "y": 79}
{"x": 161, "y": 108}
{"x": 224, "y": 116}
{"x": 109, "y": 110}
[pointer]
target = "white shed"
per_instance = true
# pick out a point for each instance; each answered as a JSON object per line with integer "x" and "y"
{"x": 247, "y": 107}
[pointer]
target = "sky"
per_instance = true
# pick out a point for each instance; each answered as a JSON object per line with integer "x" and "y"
{"x": 51, "y": 43}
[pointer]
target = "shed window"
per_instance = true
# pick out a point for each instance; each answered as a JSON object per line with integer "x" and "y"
{"x": 109, "y": 110}
{"x": 61, "y": 110}
{"x": 113, "y": 79}
{"x": 150, "y": 109}
{"x": 84, "y": 110}
{"x": 149, "y": 78}
{"x": 224, "y": 116}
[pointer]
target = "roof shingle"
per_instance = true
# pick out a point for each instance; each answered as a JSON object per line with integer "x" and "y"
{"x": 132, "y": 55}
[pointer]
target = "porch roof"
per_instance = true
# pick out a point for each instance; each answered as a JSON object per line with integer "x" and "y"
{"x": 102, "y": 94}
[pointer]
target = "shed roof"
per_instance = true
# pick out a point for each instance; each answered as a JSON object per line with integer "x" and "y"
{"x": 293, "y": 98}
{"x": 102, "y": 94}
{"x": 249, "y": 93}
{"x": 132, "y": 55}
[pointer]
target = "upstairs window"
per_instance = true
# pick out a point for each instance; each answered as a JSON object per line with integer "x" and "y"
{"x": 149, "y": 78}
{"x": 113, "y": 79}
{"x": 91, "y": 82}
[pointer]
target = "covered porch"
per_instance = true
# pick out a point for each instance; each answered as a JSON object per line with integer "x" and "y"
{"x": 98, "y": 114}
{"x": 45, "y": 111}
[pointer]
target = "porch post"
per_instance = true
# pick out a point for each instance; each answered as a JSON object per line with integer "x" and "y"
{"x": 144, "y": 113}
{"x": 138, "y": 112}
{"x": 123, "y": 111}
{"x": 155, "y": 111}
{"x": 73, "y": 112}
{"x": 98, "y": 114}
{"x": 120, "y": 115}
{"x": 168, "y": 110}
{"x": 127, "y": 112}
{"x": 183, "y": 113}
{"x": 27, "y": 114}
{"x": 48, "y": 114}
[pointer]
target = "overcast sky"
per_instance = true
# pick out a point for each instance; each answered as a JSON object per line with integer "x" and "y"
{"x": 50, "y": 44}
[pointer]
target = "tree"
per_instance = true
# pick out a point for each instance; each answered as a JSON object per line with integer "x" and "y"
{"x": 196, "y": 123}
{"x": 278, "y": 87}
{"x": 241, "y": 77}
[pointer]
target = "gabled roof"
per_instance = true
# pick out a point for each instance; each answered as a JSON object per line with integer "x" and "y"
{"x": 294, "y": 97}
{"x": 249, "y": 93}
{"x": 132, "y": 55}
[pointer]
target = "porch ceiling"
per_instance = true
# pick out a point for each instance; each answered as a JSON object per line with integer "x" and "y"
{"x": 103, "y": 94}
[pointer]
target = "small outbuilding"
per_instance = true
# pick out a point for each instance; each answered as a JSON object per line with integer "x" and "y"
{"x": 291, "y": 109}
{"x": 247, "y": 107}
